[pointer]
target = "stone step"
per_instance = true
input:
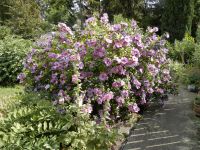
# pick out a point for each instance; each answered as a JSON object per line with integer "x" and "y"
{"x": 154, "y": 142}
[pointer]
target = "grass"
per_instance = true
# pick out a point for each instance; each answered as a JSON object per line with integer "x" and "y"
{"x": 8, "y": 96}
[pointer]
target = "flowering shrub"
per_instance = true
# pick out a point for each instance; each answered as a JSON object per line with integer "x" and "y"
{"x": 111, "y": 68}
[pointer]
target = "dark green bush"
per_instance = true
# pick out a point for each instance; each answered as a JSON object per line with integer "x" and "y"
{"x": 183, "y": 50}
{"x": 193, "y": 76}
{"x": 4, "y": 31}
{"x": 196, "y": 56}
{"x": 12, "y": 52}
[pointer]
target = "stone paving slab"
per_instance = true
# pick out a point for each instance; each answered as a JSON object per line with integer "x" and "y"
{"x": 169, "y": 128}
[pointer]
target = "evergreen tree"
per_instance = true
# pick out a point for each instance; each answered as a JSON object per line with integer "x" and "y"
{"x": 4, "y": 9}
{"x": 60, "y": 11}
{"x": 128, "y": 8}
{"x": 177, "y": 18}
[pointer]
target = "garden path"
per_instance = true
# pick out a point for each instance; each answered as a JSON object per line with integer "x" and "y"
{"x": 173, "y": 127}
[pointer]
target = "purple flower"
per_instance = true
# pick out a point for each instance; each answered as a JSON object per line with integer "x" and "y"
{"x": 118, "y": 70}
{"x": 125, "y": 93}
{"x": 97, "y": 91}
{"x": 124, "y": 60}
{"x": 91, "y": 20}
{"x": 165, "y": 71}
{"x": 21, "y": 77}
{"x": 133, "y": 62}
{"x": 133, "y": 24}
{"x": 52, "y": 55}
{"x": 116, "y": 27}
{"x": 143, "y": 98}
{"x": 137, "y": 38}
{"x": 91, "y": 43}
{"x": 107, "y": 96}
{"x": 75, "y": 57}
{"x": 159, "y": 90}
{"x": 120, "y": 101}
{"x": 107, "y": 61}
{"x": 109, "y": 41}
{"x": 103, "y": 76}
{"x": 47, "y": 87}
{"x": 127, "y": 40}
{"x": 100, "y": 52}
{"x": 124, "y": 24}
{"x": 152, "y": 30}
{"x": 75, "y": 78}
{"x": 136, "y": 83}
{"x": 134, "y": 108}
{"x": 87, "y": 109}
{"x": 118, "y": 84}
{"x": 118, "y": 44}
{"x": 64, "y": 28}
{"x": 104, "y": 18}
{"x": 152, "y": 69}
{"x": 54, "y": 78}
{"x": 150, "y": 90}
{"x": 81, "y": 65}
{"x": 135, "y": 52}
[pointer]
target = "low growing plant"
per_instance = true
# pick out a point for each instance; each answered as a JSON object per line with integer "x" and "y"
{"x": 35, "y": 123}
{"x": 197, "y": 100}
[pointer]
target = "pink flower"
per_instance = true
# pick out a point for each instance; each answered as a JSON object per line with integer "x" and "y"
{"x": 134, "y": 108}
{"x": 103, "y": 76}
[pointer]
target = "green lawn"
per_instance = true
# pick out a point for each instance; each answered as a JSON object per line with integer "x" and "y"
{"x": 8, "y": 96}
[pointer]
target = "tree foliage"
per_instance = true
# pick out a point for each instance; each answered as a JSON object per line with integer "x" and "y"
{"x": 128, "y": 8}
{"x": 177, "y": 18}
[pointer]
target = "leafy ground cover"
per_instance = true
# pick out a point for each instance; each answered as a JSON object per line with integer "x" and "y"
{"x": 8, "y": 96}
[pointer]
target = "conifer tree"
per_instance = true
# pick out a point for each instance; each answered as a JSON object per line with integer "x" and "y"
{"x": 177, "y": 18}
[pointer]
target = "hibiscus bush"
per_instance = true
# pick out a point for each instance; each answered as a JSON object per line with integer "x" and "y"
{"x": 113, "y": 69}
